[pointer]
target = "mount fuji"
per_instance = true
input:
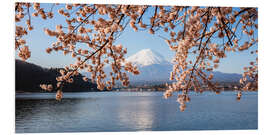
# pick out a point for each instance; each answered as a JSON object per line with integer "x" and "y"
{"x": 147, "y": 57}
{"x": 155, "y": 69}
{"x": 153, "y": 66}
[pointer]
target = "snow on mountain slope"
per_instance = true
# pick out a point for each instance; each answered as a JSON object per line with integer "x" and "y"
{"x": 146, "y": 57}
{"x": 152, "y": 66}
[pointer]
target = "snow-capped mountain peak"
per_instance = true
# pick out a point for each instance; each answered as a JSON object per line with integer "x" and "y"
{"x": 147, "y": 57}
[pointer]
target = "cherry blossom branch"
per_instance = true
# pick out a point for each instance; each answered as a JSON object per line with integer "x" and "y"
{"x": 84, "y": 21}
{"x": 205, "y": 27}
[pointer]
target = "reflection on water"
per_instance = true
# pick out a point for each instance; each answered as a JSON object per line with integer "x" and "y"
{"x": 133, "y": 111}
{"x": 138, "y": 114}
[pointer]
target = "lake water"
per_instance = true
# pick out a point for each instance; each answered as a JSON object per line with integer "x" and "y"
{"x": 133, "y": 111}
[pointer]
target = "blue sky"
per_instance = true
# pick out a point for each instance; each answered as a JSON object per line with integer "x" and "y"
{"x": 134, "y": 41}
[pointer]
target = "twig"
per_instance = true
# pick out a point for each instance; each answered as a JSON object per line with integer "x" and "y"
{"x": 205, "y": 27}
{"x": 139, "y": 19}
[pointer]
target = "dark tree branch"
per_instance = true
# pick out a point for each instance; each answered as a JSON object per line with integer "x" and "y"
{"x": 184, "y": 31}
{"x": 205, "y": 27}
{"x": 139, "y": 19}
{"x": 225, "y": 28}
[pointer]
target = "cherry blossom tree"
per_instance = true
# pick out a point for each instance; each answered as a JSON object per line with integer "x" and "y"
{"x": 208, "y": 33}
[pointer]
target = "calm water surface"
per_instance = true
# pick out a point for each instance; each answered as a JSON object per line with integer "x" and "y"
{"x": 133, "y": 111}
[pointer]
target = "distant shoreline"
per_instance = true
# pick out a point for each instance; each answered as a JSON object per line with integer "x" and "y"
{"x": 22, "y": 92}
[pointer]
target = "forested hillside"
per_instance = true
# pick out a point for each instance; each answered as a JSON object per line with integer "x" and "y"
{"x": 29, "y": 76}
